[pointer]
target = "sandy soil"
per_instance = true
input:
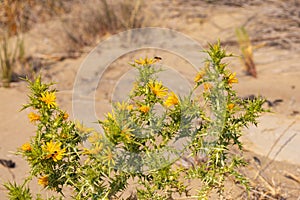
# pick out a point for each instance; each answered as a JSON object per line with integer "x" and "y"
{"x": 271, "y": 149}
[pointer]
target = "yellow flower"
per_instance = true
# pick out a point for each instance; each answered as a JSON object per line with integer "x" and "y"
{"x": 43, "y": 181}
{"x": 199, "y": 76}
{"x": 207, "y": 86}
{"x": 33, "y": 117}
{"x": 145, "y": 61}
{"x": 230, "y": 106}
{"x": 171, "y": 100}
{"x": 158, "y": 89}
{"x": 26, "y": 147}
{"x": 144, "y": 108}
{"x": 232, "y": 79}
{"x": 53, "y": 150}
{"x": 65, "y": 116}
{"x": 129, "y": 107}
{"x": 49, "y": 99}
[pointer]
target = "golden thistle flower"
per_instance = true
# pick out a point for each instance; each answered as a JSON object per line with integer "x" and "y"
{"x": 232, "y": 79}
{"x": 53, "y": 150}
{"x": 230, "y": 106}
{"x": 207, "y": 86}
{"x": 33, "y": 117}
{"x": 158, "y": 89}
{"x": 144, "y": 108}
{"x": 26, "y": 147}
{"x": 129, "y": 107}
{"x": 171, "y": 100}
{"x": 43, "y": 181}
{"x": 65, "y": 116}
{"x": 49, "y": 98}
{"x": 199, "y": 76}
{"x": 145, "y": 61}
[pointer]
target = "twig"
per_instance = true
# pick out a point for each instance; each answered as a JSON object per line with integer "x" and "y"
{"x": 264, "y": 194}
{"x": 282, "y": 146}
{"x": 292, "y": 177}
{"x": 275, "y": 143}
{"x": 191, "y": 197}
{"x": 58, "y": 57}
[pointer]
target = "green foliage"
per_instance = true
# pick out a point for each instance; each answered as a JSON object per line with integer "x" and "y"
{"x": 136, "y": 146}
{"x": 16, "y": 192}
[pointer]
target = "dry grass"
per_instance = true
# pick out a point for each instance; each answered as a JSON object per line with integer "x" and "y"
{"x": 10, "y": 54}
{"x": 246, "y": 50}
{"x": 97, "y": 18}
{"x": 19, "y": 16}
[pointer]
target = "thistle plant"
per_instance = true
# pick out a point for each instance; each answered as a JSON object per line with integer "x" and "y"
{"x": 144, "y": 139}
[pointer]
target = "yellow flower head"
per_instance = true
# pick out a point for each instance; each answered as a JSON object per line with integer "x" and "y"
{"x": 144, "y": 108}
{"x": 43, "y": 181}
{"x": 33, "y": 117}
{"x": 232, "y": 79}
{"x": 158, "y": 89}
{"x": 129, "y": 107}
{"x": 207, "y": 86}
{"x": 65, "y": 116}
{"x": 171, "y": 100}
{"x": 49, "y": 98}
{"x": 145, "y": 61}
{"x": 230, "y": 106}
{"x": 53, "y": 150}
{"x": 26, "y": 147}
{"x": 199, "y": 76}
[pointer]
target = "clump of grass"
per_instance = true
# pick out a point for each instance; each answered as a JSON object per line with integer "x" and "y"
{"x": 101, "y": 17}
{"x": 9, "y": 55}
{"x": 247, "y": 51}
{"x": 19, "y": 16}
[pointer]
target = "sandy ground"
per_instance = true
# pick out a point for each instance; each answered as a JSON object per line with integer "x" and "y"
{"x": 273, "y": 146}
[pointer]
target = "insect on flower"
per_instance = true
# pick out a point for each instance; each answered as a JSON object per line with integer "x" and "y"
{"x": 53, "y": 150}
